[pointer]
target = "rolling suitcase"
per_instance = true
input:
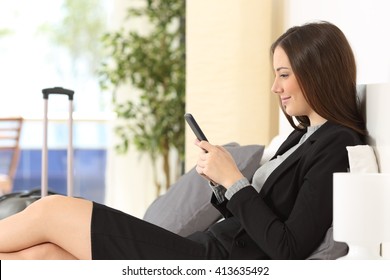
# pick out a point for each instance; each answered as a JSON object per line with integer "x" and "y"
{"x": 16, "y": 202}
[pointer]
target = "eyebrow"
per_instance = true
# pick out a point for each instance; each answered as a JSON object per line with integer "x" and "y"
{"x": 281, "y": 68}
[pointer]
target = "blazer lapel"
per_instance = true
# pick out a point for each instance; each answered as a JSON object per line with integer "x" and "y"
{"x": 294, "y": 157}
{"x": 285, "y": 165}
{"x": 292, "y": 140}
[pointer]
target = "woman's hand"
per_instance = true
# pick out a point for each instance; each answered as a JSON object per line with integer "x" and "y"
{"x": 216, "y": 164}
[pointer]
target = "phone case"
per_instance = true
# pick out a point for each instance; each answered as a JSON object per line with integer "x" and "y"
{"x": 195, "y": 127}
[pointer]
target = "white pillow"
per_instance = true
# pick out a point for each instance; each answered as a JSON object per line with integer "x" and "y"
{"x": 362, "y": 159}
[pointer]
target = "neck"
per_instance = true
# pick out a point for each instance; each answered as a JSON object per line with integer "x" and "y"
{"x": 316, "y": 119}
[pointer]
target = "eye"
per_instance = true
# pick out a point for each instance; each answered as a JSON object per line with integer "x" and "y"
{"x": 283, "y": 75}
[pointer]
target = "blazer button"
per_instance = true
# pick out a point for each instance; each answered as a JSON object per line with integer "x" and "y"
{"x": 240, "y": 243}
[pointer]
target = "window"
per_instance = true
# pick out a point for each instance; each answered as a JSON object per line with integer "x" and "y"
{"x": 56, "y": 45}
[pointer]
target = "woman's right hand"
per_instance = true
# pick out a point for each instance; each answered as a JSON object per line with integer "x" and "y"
{"x": 216, "y": 164}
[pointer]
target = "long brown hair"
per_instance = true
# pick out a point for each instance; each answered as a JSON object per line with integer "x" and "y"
{"x": 324, "y": 65}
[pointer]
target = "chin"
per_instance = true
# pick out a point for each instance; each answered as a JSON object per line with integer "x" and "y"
{"x": 290, "y": 112}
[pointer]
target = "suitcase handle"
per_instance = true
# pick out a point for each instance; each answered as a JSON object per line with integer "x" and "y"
{"x": 57, "y": 90}
{"x": 44, "y": 181}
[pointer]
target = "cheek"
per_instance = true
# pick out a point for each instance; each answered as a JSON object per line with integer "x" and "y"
{"x": 297, "y": 106}
{"x": 302, "y": 107}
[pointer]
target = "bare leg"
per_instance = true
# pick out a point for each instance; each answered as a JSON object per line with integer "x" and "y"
{"x": 45, "y": 251}
{"x": 60, "y": 220}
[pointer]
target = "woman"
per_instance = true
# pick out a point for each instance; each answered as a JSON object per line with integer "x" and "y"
{"x": 283, "y": 214}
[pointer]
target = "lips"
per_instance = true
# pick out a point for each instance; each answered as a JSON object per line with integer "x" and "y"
{"x": 285, "y": 99}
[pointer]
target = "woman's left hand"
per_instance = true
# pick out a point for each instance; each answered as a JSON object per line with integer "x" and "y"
{"x": 217, "y": 164}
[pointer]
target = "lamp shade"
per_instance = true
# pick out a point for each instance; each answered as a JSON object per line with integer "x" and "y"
{"x": 359, "y": 209}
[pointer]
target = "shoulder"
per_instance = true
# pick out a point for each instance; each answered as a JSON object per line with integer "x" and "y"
{"x": 332, "y": 139}
{"x": 328, "y": 135}
{"x": 332, "y": 132}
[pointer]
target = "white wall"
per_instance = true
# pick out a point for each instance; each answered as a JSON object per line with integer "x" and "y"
{"x": 377, "y": 111}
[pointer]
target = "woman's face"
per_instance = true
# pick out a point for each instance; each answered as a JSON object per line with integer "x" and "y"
{"x": 287, "y": 87}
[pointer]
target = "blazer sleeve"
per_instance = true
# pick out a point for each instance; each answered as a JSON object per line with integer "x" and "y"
{"x": 221, "y": 206}
{"x": 298, "y": 234}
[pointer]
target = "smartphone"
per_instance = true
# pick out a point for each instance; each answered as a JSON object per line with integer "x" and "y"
{"x": 195, "y": 127}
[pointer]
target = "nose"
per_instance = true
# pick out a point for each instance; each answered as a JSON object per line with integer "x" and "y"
{"x": 276, "y": 88}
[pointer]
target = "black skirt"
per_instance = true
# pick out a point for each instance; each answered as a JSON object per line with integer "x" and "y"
{"x": 118, "y": 236}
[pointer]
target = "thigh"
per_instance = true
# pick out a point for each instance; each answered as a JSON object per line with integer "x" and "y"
{"x": 116, "y": 235}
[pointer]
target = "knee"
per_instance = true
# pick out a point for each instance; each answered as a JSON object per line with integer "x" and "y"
{"x": 46, "y": 205}
{"x": 54, "y": 199}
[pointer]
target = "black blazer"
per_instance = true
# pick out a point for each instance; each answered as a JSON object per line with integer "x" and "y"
{"x": 288, "y": 219}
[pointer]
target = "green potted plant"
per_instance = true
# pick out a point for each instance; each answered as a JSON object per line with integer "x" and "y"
{"x": 154, "y": 63}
